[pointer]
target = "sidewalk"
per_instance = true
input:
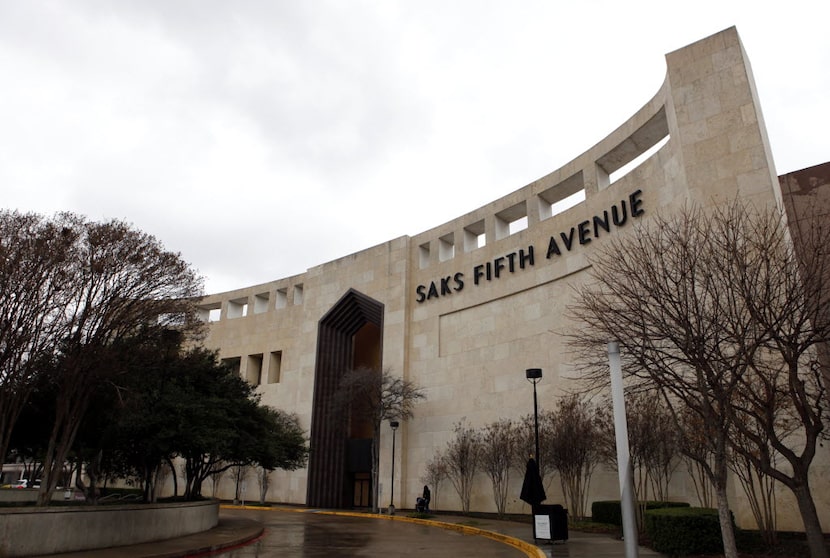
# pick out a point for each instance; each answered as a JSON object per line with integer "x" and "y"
{"x": 578, "y": 545}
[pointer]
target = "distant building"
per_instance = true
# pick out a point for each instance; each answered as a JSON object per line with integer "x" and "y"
{"x": 464, "y": 308}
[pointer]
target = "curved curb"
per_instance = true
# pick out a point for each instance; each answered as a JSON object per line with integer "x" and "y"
{"x": 530, "y": 550}
{"x": 251, "y": 532}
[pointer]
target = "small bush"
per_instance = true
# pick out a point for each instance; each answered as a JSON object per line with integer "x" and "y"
{"x": 610, "y": 511}
{"x": 683, "y": 531}
{"x": 607, "y": 511}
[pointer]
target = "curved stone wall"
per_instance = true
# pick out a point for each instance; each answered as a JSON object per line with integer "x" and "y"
{"x": 468, "y": 305}
{"x": 33, "y": 532}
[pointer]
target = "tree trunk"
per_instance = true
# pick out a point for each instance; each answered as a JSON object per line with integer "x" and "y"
{"x": 93, "y": 471}
{"x": 238, "y": 479}
{"x": 175, "y": 476}
{"x": 60, "y": 441}
{"x": 375, "y": 475}
{"x": 812, "y": 525}
{"x": 263, "y": 487}
{"x": 188, "y": 477}
{"x": 148, "y": 484}
{"x": 730, "y": 549}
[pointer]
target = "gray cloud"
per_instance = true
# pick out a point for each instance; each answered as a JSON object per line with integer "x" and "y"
{"x": 231, "y": 130}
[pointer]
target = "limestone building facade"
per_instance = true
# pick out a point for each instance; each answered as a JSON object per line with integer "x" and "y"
{"x": 465, "y": 308}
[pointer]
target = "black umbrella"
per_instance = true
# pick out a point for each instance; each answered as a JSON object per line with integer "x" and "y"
{"x": 533, "y": 492}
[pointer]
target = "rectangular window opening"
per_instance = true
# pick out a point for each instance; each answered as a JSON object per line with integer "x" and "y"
{"x": 254, "y": 372}
{"x": 261, "y": 302}
{"x": 563, "y": 205}
{"x": 511, "y": 220}
{"x": 210, "y": 312}
{"x": 639, "y": 160}
{"x": 423, "y": 255}
{"x": 474, "y": 236}
{"x": 234, "y": 363}
{"x": 518, "y": 225}
{"x": 446, "y": 247}
{"x": 561, "y": 197}
{"x": 275, "y": 367}
{"x": 238, "y": 308}
{"x": 633, "y": 151}
{"x": 282, "y": 298}
{"x": 298, "y": 294}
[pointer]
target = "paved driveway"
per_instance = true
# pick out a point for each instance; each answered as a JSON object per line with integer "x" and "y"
{"x": 311, "y": 535}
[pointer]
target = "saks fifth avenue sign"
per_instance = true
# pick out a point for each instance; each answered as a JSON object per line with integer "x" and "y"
{"x": 578, "y": 235}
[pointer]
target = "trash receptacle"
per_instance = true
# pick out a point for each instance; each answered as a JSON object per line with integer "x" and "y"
{"x": 550, "y": 522}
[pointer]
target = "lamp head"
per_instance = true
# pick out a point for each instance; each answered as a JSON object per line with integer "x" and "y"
{"x": 533, "y": 374}
{"x": 394, "y": 424}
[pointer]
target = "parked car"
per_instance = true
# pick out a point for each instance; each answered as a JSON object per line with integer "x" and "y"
{"x": 22, "y": 483}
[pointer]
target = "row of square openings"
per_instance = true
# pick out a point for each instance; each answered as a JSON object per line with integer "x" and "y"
{"x": 612, "y": 167}
{"x": 240, "y": 307}
{"x": 509, "y": 221}
{"x": 254, "y": 372}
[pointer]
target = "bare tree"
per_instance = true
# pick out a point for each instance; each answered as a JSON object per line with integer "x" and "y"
{"x": 783, "y": 406}
{"x": 653, "y": 445}
{"x": 760, "y": 493}
{"x": 498, "y": 457}
{"x": 664, "y": 455}
{"x": 434, "y": 473}
{"x": 663, "y": 293}
{"x": 34, "y": 254}
{"x": 463, "y": 459}
{"x": 575, "y": 450}
{"x": 656, "y": 444}
{"x": 718, "y": 312}
{"x": 693, "y": 441}
{"x": 637, "y": 440}
{"x": 376, "y": 396}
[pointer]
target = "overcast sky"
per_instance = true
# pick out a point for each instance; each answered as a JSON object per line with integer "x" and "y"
{"x": 261, "y": 138}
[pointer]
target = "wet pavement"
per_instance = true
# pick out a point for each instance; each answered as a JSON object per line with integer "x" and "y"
{"x": 301, "y": 532}
{"x": 313, "y": 535}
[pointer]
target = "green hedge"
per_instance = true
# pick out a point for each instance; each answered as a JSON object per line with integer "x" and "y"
{"x": 610, "y": 511}
{"x": 683, "y": 531}
{"x": 607, "y": 511}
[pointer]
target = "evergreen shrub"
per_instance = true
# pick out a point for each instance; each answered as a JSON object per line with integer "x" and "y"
{"x": 684, "y": 531}
{"x": 606, "y": 511}
{"x": 610, "y": 511}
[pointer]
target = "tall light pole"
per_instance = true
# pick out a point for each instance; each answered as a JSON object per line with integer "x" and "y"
{"x": 394, "y": 425}
{"x": 533, "y": 376}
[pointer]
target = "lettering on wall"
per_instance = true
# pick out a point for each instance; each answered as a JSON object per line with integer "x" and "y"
{"x": 578, "y": 235}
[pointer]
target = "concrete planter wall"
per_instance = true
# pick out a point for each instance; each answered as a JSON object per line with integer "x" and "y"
{"x": 35, "y": 531}
{"x": 29, "y": 495}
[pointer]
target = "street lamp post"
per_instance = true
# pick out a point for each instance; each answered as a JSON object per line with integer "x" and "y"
{"x": 533, "y": 376}
{"x": 394, "y": 425}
